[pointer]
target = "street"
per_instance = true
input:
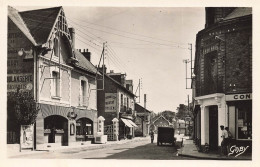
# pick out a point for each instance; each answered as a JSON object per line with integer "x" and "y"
{"x": 135, "y": 150}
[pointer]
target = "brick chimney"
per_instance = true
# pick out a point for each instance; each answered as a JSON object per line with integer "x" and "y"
{"x": 101, "y": 69}
{"x": 86, "y": 54}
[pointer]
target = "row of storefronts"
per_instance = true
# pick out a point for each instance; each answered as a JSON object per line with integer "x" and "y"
{"x": 223, "y": 83}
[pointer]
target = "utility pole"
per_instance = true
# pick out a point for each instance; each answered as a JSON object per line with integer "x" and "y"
{"x": 189, "y": 61}
{"x": 139, "y": 90}
{"x": 145, "y": 101}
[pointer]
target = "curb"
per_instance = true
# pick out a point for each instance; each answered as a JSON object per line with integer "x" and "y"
{"x": 88, "y": 147}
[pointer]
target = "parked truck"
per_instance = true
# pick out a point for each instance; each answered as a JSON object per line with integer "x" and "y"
{"x": 165, "y": 135}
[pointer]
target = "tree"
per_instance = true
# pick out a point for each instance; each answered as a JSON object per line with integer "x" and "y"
{"x": 23, "y": 107}
{"x": 169, "y": 115}
{"x": 183, "y": 111}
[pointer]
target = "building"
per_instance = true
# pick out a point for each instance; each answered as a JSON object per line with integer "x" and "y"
{"x": 142, "y": 120}
{"x": 180, "y": 127}
{"x": 42, "y": 54}
{"x": 159, "y": 121}
{"x": 223, "y": 77}
{"x": 116, "y": 104}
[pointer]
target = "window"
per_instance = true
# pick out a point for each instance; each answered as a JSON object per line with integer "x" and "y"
{"x": 83, "y": 93}
{"x": 127, "y": 103}
{"x": 244, "y": 121}
{"x": 56, "y": 84}
{"x": 56, "y": 47}
{"x": 122, "y": 100}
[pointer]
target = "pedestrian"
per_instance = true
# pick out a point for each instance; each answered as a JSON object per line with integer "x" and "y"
{"x": 152, "y": 136}
{"x": 224, "y": 141}
{"x": 229, "y": 138}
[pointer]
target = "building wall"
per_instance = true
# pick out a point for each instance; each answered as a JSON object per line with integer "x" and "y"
{"x": 91, "y": 90}
{"x": 20, "y": 71}
{"x": 111, "y": 88}
{"x": 46, "y": 87}
{"x": 232, "y": 49}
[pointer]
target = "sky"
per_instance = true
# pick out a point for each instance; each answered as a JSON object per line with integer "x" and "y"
{"x": 146, "y": 43}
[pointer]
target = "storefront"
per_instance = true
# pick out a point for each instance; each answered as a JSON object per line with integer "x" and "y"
{"x": 126, "y": 128}
{"x": 84, "y": 129}
{"x": 211, "y": 115}
{"x": 240, "y": 118}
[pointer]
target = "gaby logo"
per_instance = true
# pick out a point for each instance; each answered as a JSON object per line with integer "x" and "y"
{"x": 237, "y": 150}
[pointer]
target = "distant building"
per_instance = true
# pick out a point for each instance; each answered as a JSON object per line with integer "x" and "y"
{"x": 142, "y": 120}
{"x": 180, "y": 127}
{"x": 160, "y": 121}
{"x": 223, "y": 77}
{"x": 116, "y": 100}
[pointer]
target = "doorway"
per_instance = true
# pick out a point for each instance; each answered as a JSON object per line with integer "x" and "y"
{"x": 213, "y": 128}
{"x": 58, "y": 129}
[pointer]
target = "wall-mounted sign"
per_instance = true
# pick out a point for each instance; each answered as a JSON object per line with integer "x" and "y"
{"x": 26, "y": 137}
{"x": 21, "y": 81}
{"x": 235, "y": 97}
{"x": 110, "y": 102}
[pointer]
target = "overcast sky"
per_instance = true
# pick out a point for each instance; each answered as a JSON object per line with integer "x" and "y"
{"x": 148, "y": 43}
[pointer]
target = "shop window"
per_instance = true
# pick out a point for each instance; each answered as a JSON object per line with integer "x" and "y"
{"x": 55, "y": 84}
{"x": 244, "y": 122}
{"x": 84, "y": 127}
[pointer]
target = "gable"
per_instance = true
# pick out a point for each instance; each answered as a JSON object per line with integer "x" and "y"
{"x": 40, "y": 22}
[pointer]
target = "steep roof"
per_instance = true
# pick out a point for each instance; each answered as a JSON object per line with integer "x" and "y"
{"x": 40, "y": 22}
{"x": 84, "y": 63}
{"x": 18, "y": 21}
{"x": 161, "y": 116}
{"x": 239, "y": 12}
{"x": 140, "y": 109}
{"x": 119, "y": 84}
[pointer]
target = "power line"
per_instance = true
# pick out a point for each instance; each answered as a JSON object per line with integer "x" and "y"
{"x": 135, "y": 38}
{"x": 129, "y": 32}
{"x": 120, "y": 61}
{"x": 87, "y": 31}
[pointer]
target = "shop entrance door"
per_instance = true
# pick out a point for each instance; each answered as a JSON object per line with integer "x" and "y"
{"x": 213, "y": 127}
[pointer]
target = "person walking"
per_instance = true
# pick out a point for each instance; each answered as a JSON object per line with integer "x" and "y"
{"x": 152, "y": 136}
{"x": 224, "y": 140}
{"x": 229, "y": 139}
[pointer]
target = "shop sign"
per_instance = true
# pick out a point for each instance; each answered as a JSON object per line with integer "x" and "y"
{"x": 23, "y": 82}
{"x": 110, "y": 102}
{"x": 235, "y": 97}
{"x": 26, "y": 137}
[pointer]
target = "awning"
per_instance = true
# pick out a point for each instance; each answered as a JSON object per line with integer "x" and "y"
{"x": 126, "y": 123}
{"x": 132, "y": 123}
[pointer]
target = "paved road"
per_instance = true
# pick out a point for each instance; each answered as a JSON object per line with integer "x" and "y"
{"x": 133, "y": 150}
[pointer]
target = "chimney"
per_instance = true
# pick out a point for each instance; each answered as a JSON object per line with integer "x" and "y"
{"x": 101, "y": 69}
{"x": 72, "y": 34}
{"x": 86, "y": 54}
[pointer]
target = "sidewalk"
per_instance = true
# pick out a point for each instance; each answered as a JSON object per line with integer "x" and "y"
{"x": 189, "y": 149}
{"x": 13, "y": 149}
